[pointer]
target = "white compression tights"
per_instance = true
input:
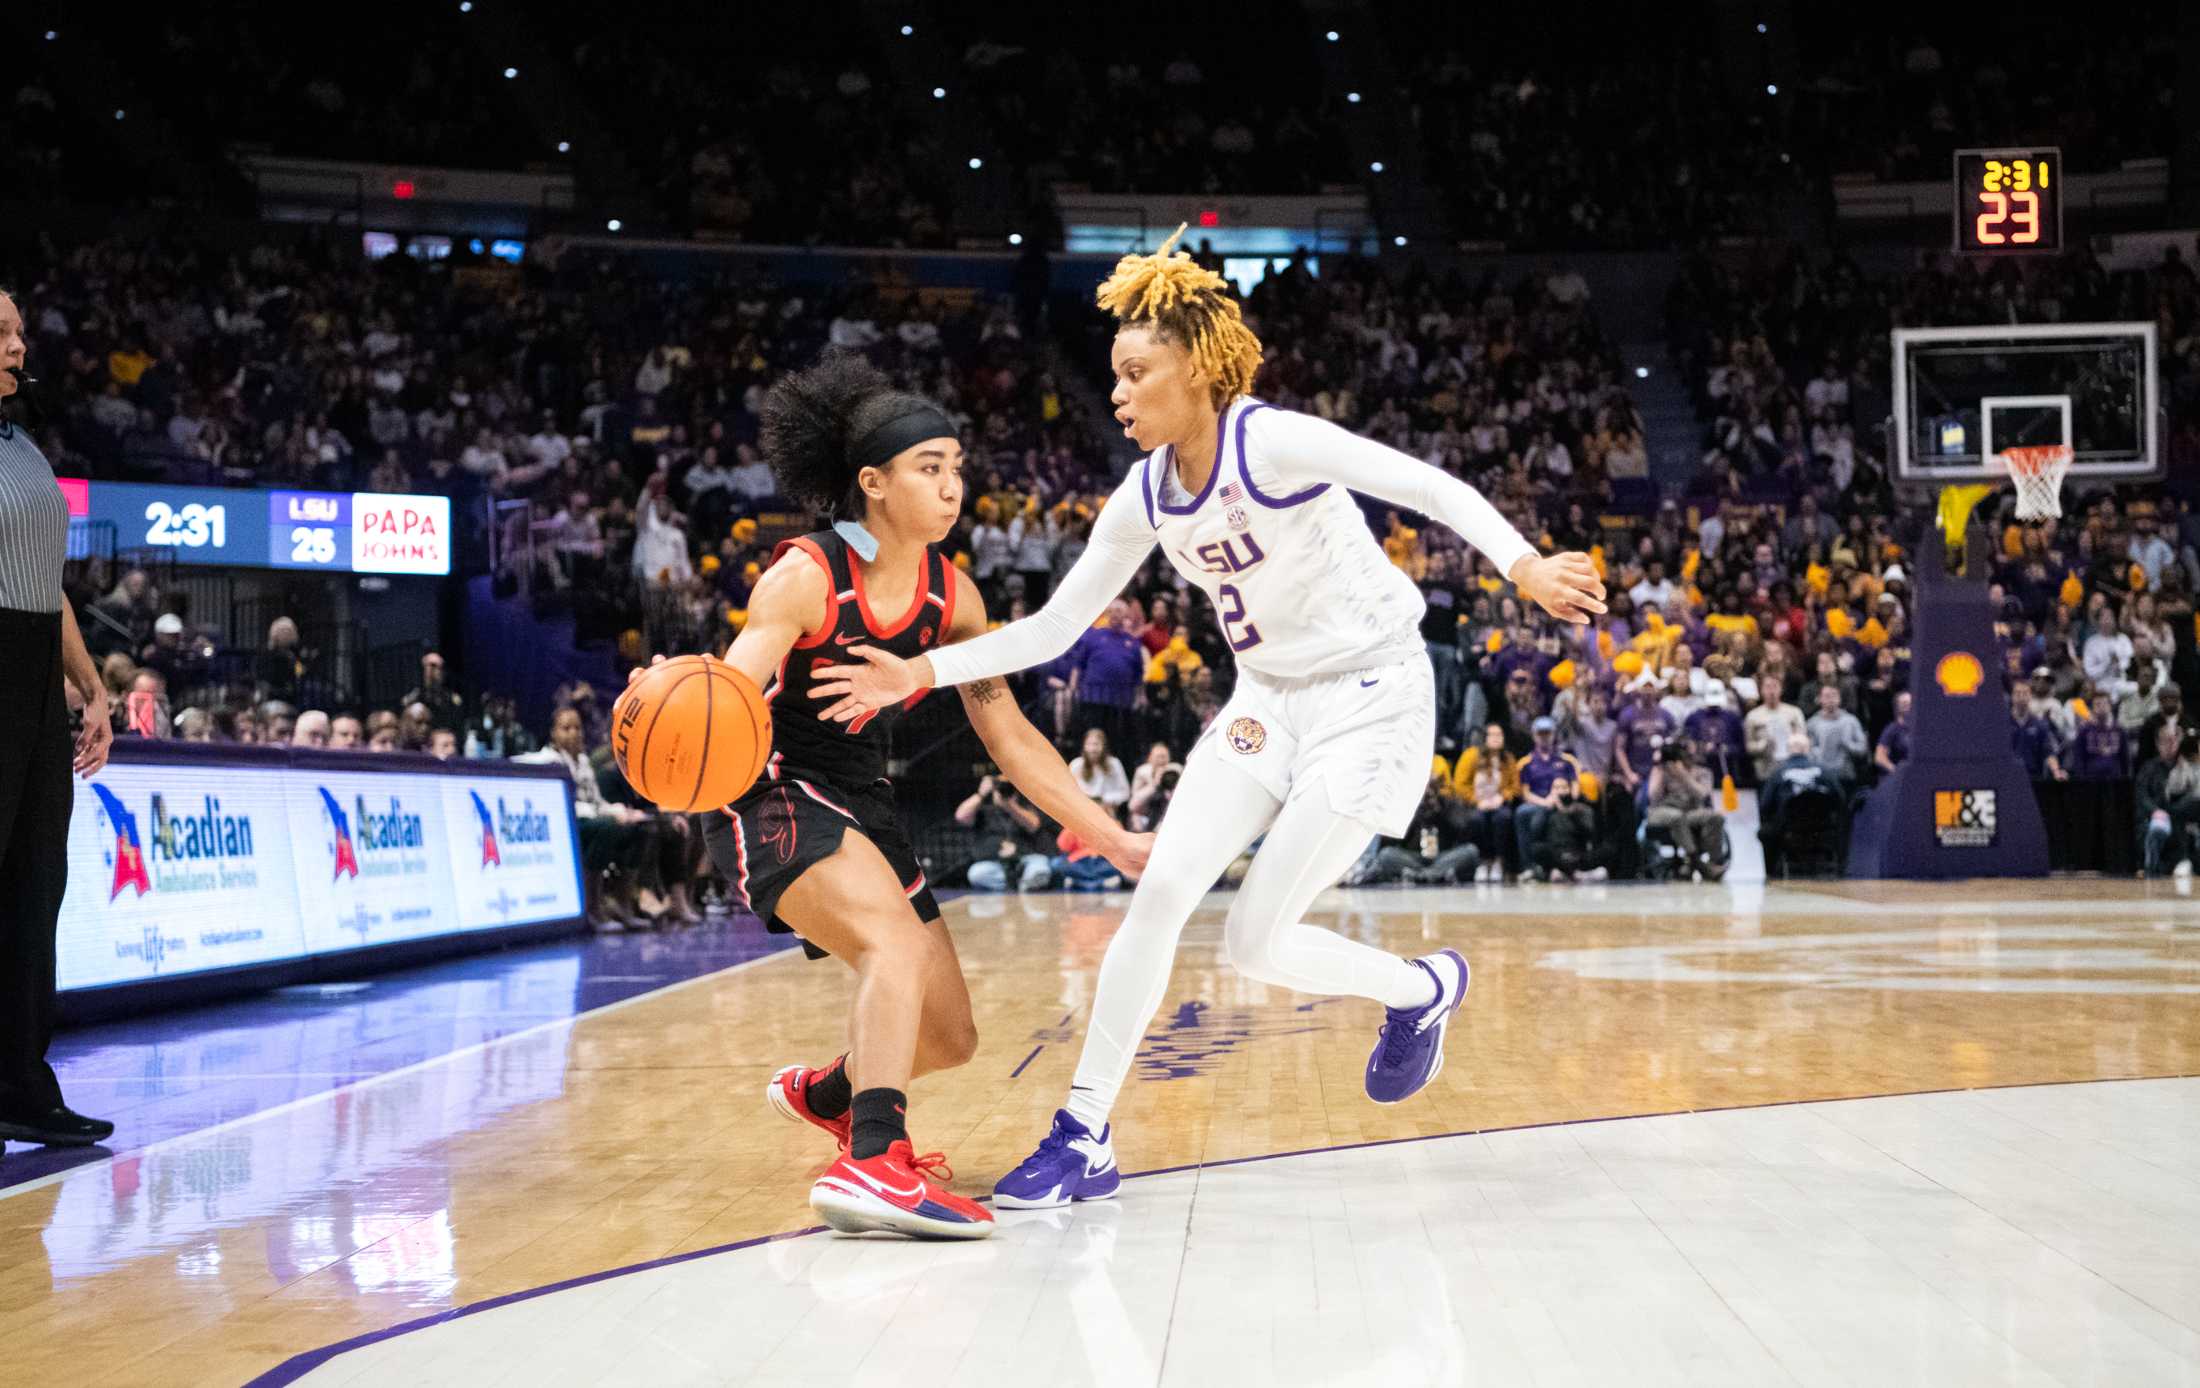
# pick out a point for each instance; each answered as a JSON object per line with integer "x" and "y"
{"x": 1216, "y": 812}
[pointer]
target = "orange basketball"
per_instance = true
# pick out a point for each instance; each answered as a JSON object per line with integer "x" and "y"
{"x": 691, "y": 734}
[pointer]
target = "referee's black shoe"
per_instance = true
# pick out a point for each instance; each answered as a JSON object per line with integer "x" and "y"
{"x": 56, "y": 1127}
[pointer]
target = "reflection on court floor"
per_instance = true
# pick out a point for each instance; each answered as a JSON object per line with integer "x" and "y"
{"x": 2005, "y": 1236}
{"x": 1635, "y": 1165}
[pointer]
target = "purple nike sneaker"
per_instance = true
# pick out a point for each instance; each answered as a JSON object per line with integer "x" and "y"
{"x": 1070, "y": 1165}
{"x": 1411, "y": 1048}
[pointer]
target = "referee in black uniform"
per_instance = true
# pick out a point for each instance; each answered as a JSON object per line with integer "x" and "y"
{"x": 39, "y": 647}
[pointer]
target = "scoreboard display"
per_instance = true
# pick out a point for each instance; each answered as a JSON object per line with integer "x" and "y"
{"x": 346, "y": 532}
{"x": 2008, "y": 201}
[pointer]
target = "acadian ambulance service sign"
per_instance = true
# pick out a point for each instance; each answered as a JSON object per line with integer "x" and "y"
{"x": 374, "y": 864}
{"x": 512, "y": 850}
{"x": 176, "y": 868}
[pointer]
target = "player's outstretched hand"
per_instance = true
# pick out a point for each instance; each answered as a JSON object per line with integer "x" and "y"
{"x": 883, "y": 678}
{"x": 1129, "y": 853}
{"x": 1564, "y": 585}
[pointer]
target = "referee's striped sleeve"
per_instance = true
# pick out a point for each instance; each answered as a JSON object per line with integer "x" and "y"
{"x": 34, "y": 526}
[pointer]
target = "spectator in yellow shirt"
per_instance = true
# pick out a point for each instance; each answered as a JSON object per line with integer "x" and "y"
{"x": 1177, "y": 656}
{"x": 128, "y": 364}
{"x": 1488, "y": 781}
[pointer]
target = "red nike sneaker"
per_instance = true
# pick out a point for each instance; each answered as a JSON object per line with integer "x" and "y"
{"x": 898, "y": 1192}
{"x": 789, "y": 1093}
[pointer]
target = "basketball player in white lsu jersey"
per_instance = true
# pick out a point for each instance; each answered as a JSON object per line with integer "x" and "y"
{"x": 1327, "y": 738}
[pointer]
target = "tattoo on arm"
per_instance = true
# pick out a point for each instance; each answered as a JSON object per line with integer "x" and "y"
{"x": 986, "y": 691}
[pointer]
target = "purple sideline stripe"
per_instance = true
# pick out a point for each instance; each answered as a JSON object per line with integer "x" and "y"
{"x": 1145, "y": 490}
{"x": 1160, "y": 490}
{"x": 296, "y": 1367}
{"x": 1245, "y": 470}
{"x": 1028, "y": 1059}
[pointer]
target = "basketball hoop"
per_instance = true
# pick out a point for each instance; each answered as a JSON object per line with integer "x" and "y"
{"x": 2037, "y": 470}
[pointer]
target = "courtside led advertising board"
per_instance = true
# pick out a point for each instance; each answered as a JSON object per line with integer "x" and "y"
{"x": 180, "y": 866}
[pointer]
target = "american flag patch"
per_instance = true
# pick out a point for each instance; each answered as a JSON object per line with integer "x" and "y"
{"x": 1230, "y": 492}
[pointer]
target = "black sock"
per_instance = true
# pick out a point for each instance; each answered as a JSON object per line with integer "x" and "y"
{"x": 881, "y": 1121}
{"x": 828, "y": 1095}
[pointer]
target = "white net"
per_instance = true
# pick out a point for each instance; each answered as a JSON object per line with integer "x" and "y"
{"x": 2037, "y": 472}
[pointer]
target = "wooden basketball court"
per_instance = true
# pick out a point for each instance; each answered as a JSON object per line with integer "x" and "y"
{"x": 2022, "y": 1234}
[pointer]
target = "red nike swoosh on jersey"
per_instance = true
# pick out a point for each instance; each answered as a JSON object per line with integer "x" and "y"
{"x": 840, "y": 640}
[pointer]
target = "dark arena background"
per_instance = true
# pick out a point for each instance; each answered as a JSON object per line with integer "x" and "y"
{"x": 407, "y": 373}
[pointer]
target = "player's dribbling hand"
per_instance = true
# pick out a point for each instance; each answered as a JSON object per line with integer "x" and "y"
{"x": 883, "y": 678}
{"x": 1564, "y": 585}
{"x": 654, "y": 661}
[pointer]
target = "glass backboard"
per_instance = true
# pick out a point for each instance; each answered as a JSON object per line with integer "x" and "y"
{"x": 1961, "y": 395}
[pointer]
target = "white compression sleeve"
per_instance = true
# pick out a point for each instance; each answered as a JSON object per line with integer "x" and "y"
{"x": 1217, "y": 810}
{"x": 1306, "y": 851}
{"x": 1305, "y": 449}
{"x": 1121, "y": 539}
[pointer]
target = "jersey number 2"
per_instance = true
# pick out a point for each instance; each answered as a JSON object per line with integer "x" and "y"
{"x": 1243, "y": 635}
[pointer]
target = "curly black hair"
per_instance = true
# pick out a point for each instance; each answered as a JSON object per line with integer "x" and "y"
{"x": 811, "y": 417}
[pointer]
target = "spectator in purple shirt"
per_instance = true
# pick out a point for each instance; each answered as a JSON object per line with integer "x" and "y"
{"x": 1894, "y": 743}
{"x": 1107, "y": 674}
{"x": 1716, "y": 729}
{"x": 1540, "y": 773}
{"x": 1643, "y": 728}
{"x": 2097, "y": 754}
{"x": 2034, "y": 736}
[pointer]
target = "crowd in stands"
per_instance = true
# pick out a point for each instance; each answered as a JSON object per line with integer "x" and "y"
{"x": 1759, "y": 619}
{"x": 1789, "y": 359}
{"x": 703, "y": 109}
{"x": 332, "y": 85}
{"x": 1586, "y": 128}
{"x": 1570, "y": 128}
{"x": 1186, "y": 114}
{"x": 1564, "y": 154}
{"x": 1896, "y": 101}
{"x": 1788, "y": 364}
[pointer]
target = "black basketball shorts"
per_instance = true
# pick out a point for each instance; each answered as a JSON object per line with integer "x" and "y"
{"x": 767, "y": 839}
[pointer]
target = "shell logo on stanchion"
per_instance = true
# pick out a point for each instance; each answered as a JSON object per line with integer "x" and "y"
{"x": 1959, "y": 675}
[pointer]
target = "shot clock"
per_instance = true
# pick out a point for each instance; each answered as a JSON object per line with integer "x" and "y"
{"x": 2008, "y": 201}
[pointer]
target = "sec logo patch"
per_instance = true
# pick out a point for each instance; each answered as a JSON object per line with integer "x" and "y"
{"x": 1247, "y": 735}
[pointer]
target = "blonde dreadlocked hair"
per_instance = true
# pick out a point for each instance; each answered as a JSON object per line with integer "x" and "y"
{"x": 1177, "y": 299}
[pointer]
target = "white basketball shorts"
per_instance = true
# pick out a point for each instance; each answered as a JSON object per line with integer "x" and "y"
{"x": 1363, "y": 738}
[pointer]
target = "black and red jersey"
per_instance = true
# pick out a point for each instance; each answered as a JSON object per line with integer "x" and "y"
{"x": 851, "y": 754}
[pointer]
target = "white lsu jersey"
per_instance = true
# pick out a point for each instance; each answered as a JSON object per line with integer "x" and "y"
{"x": 1297, "y": 579}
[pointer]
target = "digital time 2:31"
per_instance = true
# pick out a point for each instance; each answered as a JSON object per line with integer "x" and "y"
{"x": 2008, "y": 200}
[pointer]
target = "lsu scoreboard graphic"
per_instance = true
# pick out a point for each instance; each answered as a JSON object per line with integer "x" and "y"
{"x": 346, "y": 532}
{"x": 181, "y": 866}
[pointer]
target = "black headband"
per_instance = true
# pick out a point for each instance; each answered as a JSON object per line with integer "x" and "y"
{"x": 917, "y": 424}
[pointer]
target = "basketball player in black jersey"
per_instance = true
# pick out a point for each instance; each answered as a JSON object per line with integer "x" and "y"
{"x": 816, "y": 846}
